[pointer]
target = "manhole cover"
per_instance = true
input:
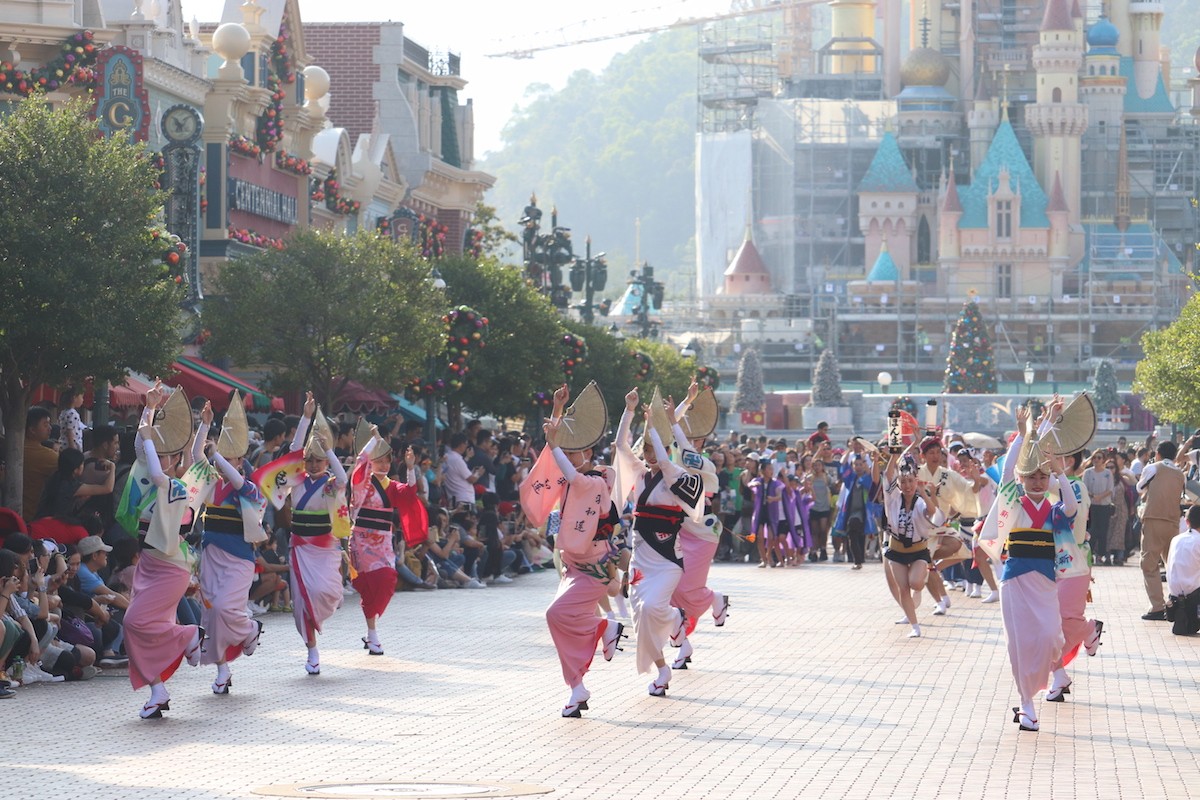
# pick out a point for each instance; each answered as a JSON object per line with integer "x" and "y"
{"x": 426, "y": 790}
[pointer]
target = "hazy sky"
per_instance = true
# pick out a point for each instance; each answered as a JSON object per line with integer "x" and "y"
{"x": 474, "y": 28}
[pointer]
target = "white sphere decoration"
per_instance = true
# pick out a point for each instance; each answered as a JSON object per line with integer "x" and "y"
{"x": 884, "y": 379}
{"x": 316, "y": 83}
{"x": 231, "y": 41}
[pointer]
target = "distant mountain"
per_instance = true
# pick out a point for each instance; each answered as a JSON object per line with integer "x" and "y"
{"x": 607, "y": 149}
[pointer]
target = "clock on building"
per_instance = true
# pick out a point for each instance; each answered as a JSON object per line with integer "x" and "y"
{"x": 181, "y": 124}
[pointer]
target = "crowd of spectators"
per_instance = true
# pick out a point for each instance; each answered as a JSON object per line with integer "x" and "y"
{"x": 66, "y": 566}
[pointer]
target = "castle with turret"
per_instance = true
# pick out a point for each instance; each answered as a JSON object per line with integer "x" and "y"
{"x": 1026, "y": 155}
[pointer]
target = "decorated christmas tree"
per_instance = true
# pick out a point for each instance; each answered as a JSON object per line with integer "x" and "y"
{"x": 749, "y": 395}
{"x": 1105, "y": 393}
{"x": 827, "y": 382}
{"x": 970, "y": 368}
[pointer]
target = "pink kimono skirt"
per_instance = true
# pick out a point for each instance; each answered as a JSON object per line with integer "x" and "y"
{"x": 154, "y": 641}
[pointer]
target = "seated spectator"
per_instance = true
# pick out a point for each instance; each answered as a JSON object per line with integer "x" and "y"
{"x": 472, "y": 547}
{"x": 106, "y": 627}
{"x": 72, "y": 660}
{"x": 1183, "y": 577}
{"x": 100, "y": 469}
{"x": 443, "y": 548}
{"x": 63, "y": 499}
{"x": 40, "y": 461}
{"x": 270, "y": 577}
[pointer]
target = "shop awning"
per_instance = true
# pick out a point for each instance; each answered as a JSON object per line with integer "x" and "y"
{"x": 358, "y": 399}
{"x": 131, "y": 393}
{"x": 199, "y": 378}
{"x": 414, "y": 411}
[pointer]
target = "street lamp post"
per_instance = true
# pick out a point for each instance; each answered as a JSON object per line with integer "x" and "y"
{"x": 438, "y": 283}
{"x": 650, "y": 288}
{"x": 885, "y": 381}
{"x": 1028, "y": 378}
{"x": 589, "y": 275}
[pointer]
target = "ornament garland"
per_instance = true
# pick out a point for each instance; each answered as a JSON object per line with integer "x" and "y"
{"x": 241, "y": 146}
{"x": 542, "y": 400}
{"x": 252, "y": 237}
{"x": 72, "y": 65}
{"x": 172, "y": 251}
{"x": 904, "y": 403}
{"x": 287, "y": 162}
{"x": 576, "y": 351}
{"x": 328, "y": 192}
{"x": 644, "y": 363}
{"x": 473, "y": 243}
{"x": 708, "y": 377}
{"x": 431, "y": 237}
{"x": 466, "y": 331}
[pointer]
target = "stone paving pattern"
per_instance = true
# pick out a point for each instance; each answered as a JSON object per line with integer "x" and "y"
{"x": 809, "y": 691}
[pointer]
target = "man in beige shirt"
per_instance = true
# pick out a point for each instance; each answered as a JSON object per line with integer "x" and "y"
{"x": 40, "y": 461}
{"x": 1161, "y": 486}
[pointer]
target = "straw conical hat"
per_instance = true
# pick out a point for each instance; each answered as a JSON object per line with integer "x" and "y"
{"x": 322, "y": 430}
{"x": 382, "y": 448}
{"x": 1031, "y": 459}
{"x": 585, "y": 422}
{"x": 659, "y": 420}
{"x": 1073, "y": 429}
{"x": 700, "y": 418}
{"x": 362, "y": 435}
{"x": 173, "y": 424}
{"x": 234, "y": 440}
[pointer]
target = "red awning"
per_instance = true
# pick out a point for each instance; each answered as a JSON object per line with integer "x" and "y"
{"x": 358, "y": 399}
{"x": 129, "y": 394}
{"x": 198, "y": 378}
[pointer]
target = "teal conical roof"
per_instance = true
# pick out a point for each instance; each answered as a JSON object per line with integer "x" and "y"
{"x": 1004, "y": 153}
{"x": 888, "y": 172}
{"x": 885, "y": 269}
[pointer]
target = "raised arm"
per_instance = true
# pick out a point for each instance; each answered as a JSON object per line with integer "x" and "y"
{"x": 623, "y": 443}
{"x": 206, "y": 419}
{"x": 1008, "y": 474}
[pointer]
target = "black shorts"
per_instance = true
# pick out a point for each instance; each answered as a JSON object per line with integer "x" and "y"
{"x": 907, "y": 558}
{"x": 812, "y": 515}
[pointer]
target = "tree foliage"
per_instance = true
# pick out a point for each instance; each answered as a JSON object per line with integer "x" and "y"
{"x": 1105, "y": 392}
{"x": 827, "y": 382}
{"x": 749, "y": 394}
{"x": 83, "y": 289}
{"x": 326, "y": 310}
{"x": 970, "y": 367}
{"x": 610, "y": 148}
{"x": 610, "y": 365}
{"x": 523, "y": 330}
{"x": 1168, "y": 374}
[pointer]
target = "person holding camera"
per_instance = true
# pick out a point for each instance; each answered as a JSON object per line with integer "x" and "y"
{"x": 1183, "y": 577}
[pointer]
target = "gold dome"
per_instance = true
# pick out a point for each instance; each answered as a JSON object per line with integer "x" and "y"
{"x": 925, "y": 67}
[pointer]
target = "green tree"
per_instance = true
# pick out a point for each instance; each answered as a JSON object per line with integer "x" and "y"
{"x": 970, "y": 368}
{"x": 827, "y": 382}
{"x": 749, "y": 394}
{"x": 1168, "y": 374}
{"x": 327, "y": 310}
{"x": 84, "y": 290}
{"x": 520, "y": 356}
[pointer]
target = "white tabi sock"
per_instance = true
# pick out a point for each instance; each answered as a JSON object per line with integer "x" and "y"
{"x": 223, "y": 672}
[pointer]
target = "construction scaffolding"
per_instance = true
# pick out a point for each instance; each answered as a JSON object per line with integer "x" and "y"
{"x": 738, "y": 68}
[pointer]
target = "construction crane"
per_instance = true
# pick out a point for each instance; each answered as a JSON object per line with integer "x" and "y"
{"x": 797, "y": 17}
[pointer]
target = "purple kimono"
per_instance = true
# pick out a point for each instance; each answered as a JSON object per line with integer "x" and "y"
{"x": 773, "y": 511}
{"x": 796, "y": 505}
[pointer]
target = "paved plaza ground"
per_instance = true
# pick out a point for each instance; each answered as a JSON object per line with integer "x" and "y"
{"x": 809, "y": 691}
